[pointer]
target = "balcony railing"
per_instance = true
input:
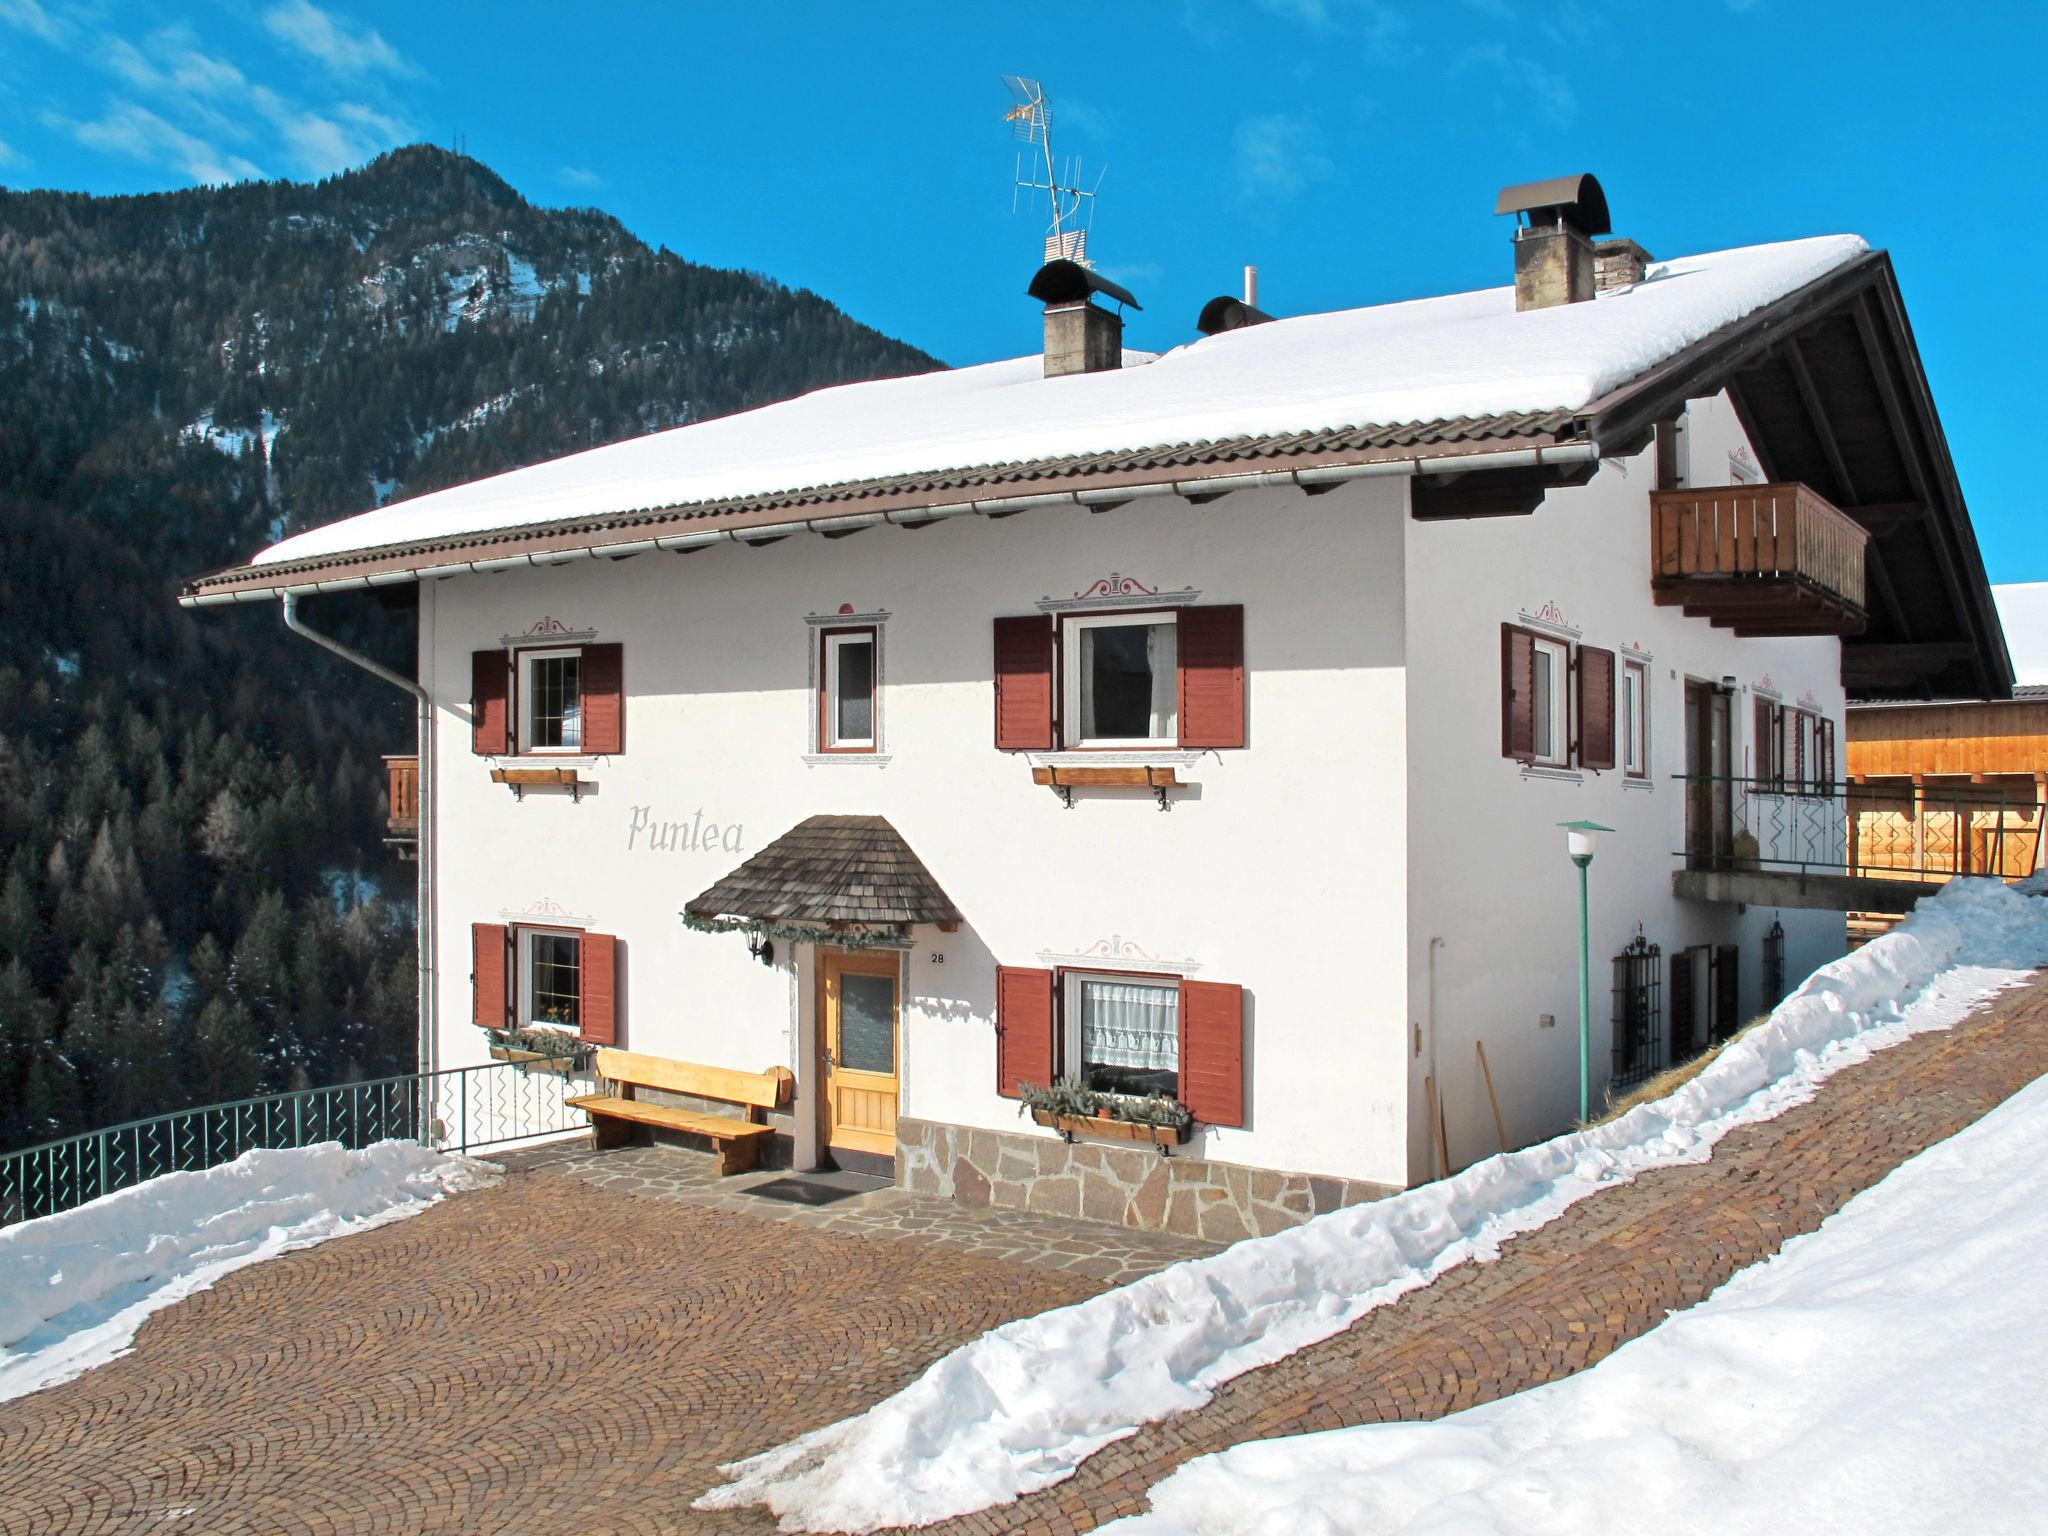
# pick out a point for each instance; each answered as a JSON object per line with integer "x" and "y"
{"x": 1758, "y": 559}
{"x": 463, "y": 1109}
{"x": 1868, "y": 830}
{"x": 402, "y": 786}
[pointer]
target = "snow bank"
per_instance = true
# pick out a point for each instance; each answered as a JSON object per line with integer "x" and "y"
{"x": 74, "y": 1287}
{"x": 2023, "y": 611}
{"x": 1468, "y": 354}
{"x": 1881, "y": 1374}
{"x": 1021, "y": 1407}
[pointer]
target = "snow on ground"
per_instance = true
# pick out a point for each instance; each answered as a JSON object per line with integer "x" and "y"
{"x": 1468, "y": 354}
{"x": 2023, "y": 610}
{"x": 1880, "y": 1374}
{"x": 74, "y": 1287}
{"x": 1021, "y": 1407}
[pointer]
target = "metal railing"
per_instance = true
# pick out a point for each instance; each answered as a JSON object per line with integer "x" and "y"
{"x": 462, "y": 1109}
{"x": 1875, "y": 830}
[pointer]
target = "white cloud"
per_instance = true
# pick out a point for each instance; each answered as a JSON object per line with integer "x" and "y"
{"x": 9, "y": 155}
{"x": 344, "y": 49}
{"x": 1278, "y": 157}
{"x": 29, "y": 16}
{"x": 1536, "y": 84}
{"x": 579, "y": 176}
{"x": 1381, "y": 25}
{"x": 133, "y": 130}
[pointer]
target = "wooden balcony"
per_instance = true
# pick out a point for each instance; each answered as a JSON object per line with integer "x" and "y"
{"x": 1758, "y": 559}
{"x": 402, "y": 787}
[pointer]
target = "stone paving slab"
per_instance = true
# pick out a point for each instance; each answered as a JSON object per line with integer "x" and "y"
{"x": 1102, "y": 1251}
{"x": 543, "y": 1356}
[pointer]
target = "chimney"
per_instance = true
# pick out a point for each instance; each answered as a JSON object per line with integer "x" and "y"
{"x": 1251, "y": 287}
{"x": 1619, "y": 264}
{"x": 1554, "y": 250}
{"x": 1080, "y": 336}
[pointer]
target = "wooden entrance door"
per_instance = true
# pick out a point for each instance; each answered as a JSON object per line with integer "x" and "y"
{"x": 861, "y": 995}
{"x": 1709, "y": 769}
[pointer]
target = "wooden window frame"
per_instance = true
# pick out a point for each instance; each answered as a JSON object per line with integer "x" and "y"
{"x": 522, "y": 982}
{"x": 519, "y": 713}
{"x": 1635, "y": 725}
{"x": 1067, "y": 1023}
{"x": 1066, "y": 671}
{"x": 828, "y": 642}
{"x": 1559, "y": 724}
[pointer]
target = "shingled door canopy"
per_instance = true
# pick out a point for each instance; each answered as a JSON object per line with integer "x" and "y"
{"x": 830, "y": 879}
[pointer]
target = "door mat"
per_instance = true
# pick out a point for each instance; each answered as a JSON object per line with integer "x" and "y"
{"x": 818, "y": 1188}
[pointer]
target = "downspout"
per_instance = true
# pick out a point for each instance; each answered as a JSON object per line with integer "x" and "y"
{"x": 425, "y": 730}
{"x": 1435, "y": 1072}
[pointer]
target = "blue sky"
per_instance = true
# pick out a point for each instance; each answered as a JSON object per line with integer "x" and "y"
{"x": 1351, "y": 148}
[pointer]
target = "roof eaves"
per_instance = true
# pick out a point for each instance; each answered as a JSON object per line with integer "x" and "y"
{"x": 1136, "y": 471}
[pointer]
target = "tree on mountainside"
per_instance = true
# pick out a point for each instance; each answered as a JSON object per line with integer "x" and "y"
{"x": 195, "y": 902}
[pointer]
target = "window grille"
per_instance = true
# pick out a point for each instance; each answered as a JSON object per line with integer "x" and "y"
{"x": 1639, "y": 1044}
{"x": 1774, "y": 965}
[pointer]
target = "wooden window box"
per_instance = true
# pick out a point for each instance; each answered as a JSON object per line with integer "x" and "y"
{"x": 1066, "y": 780}
{"x": 523, "y": 779}
{"x": 1104, "y": 1128}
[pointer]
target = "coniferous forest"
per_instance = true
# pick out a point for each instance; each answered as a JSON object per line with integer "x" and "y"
{"x": 195, "y": 899}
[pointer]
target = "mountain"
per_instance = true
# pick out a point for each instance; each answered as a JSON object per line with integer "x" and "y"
{"x": 191, "y": 806}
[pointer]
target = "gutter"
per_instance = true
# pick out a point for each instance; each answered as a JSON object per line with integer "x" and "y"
{"x": 428, "y": 1035}
{"x": 1313, "y": 480}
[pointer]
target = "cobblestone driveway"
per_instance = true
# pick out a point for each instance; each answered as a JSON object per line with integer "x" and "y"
{"x": 553, "y": 1357}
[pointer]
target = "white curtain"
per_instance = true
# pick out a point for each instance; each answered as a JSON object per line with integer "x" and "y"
{"x": 1130, "y": 1024}
{"x": 1159, "y": 651}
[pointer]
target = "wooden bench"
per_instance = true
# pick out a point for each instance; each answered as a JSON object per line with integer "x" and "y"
{"x": 737, "y": 1141}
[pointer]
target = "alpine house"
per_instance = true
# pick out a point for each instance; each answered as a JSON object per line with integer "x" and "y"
{"x": 1197, "y": 727}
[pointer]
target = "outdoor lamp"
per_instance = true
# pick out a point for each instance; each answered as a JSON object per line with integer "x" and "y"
{"x": 1580, "y": 837}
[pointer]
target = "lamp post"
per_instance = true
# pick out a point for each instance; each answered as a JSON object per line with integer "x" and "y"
{"x": 1579, "y": 840}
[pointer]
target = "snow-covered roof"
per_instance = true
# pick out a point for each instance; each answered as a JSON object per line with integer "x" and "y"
{"x": 2023, "y": 610}
{"x": 1467, "y": 355}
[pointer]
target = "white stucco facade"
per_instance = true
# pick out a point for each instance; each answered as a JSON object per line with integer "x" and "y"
{"x": 1387, "y": 888}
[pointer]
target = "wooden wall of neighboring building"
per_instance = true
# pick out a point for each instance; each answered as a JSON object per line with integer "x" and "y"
{"x": 1890, "y": 740}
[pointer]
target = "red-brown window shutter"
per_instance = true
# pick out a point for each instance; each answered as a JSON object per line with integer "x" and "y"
{"x": 1212, "y": 1051}
{"x": 1024, "y": 683}
{"x": 1211, "y": 649}
{"x": 1798, "y": 720}
{"x": 1024, "y": 1029}
{"x": 597, "y": 1003}
{"x": 604, "y": 699}
{"x": 490, "y": 972}
{"x": 1517, "y": 693}
{"x": 1596, "y": 707}
{"x": 1763, "y": 741}
{"x": 1827, "y": 757}
{"x": 490, "y": 714}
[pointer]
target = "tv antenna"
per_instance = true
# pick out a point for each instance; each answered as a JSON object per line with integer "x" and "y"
{"x": 1072, "y": 204}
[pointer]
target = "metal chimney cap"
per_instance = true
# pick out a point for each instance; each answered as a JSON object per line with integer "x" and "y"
{"x": 1068, "y": 282}
{"x": 1228, "y": 313}
{"x": 1578, "y": 200}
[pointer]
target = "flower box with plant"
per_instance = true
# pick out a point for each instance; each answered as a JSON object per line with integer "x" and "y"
{"x": 542, "y": 1049}
{"x": 1072, "y": 1108}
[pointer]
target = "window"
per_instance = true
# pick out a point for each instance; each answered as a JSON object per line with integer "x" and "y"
{"x": 1123, "y": 1032}
{"x": 1638, "y": 1014}
{"x": 550, "y": 978}
{"x": 551, "y": 687}
{"x": 1537, "y": 677}
{"x": 1552, "y": 697}
{"x": 1122, "y": 681}
{"x": 1635, "y": 720}
{"x": 558, "y": 700}
{"x": 846, "y": 721}
{"x": 1770, "y": 745}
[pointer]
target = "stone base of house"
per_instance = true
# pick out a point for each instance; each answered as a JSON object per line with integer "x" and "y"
{"x": 1132, "y": 1186}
